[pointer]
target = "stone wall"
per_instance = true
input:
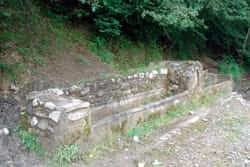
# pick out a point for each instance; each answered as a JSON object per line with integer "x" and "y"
{"x": 63, "y": 115}
{"x": 174, "y": 76}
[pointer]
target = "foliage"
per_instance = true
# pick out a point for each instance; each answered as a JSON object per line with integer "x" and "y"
{"x": 230, "y": 67}
{"x": 30, "y": 141}
{"x": 220, "y": 26}
{"x": 65, "y": 154}
{"x": 217, "y": 24}
{"x": 98, "y": 46}
{"x": 11, "y": 70}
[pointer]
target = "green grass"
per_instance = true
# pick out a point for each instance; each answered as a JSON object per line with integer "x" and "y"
{"x": 123, "y": 53}
{"x": 64, "y": 155}
{"x": 172, "y": 114}
{"x": 30, "y": 141}
{"x": 229, "y": 67}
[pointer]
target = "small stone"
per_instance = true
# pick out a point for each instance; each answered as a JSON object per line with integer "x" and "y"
{"x": 125, "y": 85}
{"x": 74, "y": 89}
{"x": 164, "y": 71}
{"x": 29, "y": 108}
{"x": 176, "y": 102}
{"x": 66, "y": 92}
{"x": 51, "y": 129}
{"x": 100, "y": 93}
{"x": 175, "y": 87}
{"x": 136, "y": 139}
{"x": 205, "y": 119}
{"x": 50, "y": 105}
{"x": 156, "y": 163}
{"x": 55, "y": 116}
{"x": 191, "y": 113}
{"x": 151, "y": 76}
{"x": 43, "y": 124}
{"x": 130, "y": 77}
{"x": 14, "y": 88}
{"x": 141, "y": 164}
{"x": 4, "y": 131}
{"x": 141, "y": 75}
{"x": 84, "y": 91}
{"x": 34, "y": 121}
{"x": 56, "y": 91}
{"x": 35, "y": 103}
{"x": 155, "y": 72}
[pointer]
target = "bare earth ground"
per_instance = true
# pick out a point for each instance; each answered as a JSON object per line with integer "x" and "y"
{"x": 69, "y": 67}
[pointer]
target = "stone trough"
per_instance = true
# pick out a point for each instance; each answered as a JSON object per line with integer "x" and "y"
{"x": 87, "y": 113}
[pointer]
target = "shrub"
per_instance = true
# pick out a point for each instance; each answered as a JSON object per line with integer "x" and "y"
{"x": 65, "y": 154}
{"x": 229, "y": 67}
{"x": 30, "y": 141}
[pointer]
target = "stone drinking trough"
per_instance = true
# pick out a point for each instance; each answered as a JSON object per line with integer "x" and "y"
{"x": 87, "y": 113}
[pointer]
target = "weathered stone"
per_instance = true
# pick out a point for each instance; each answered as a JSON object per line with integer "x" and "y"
{"x": 154, "y": 72}
{"x": 50, "y": 106}
{"x": 4, "y": 131}
{"x": 66, "y": 92}
{"x": 136, "y": 139}
{"x": 100, "y": 93}
{"x": 51, "y": 129}
{"x": 56, "y": 91}
{"x": 41, "y": 114}
{"x": 151, "y": 75}
{"x": 69, "y": 107}
{"x": 78, "y": 115}
{"x": 164, "y": 71}
{"x": 34, "y": 121}
{"x": 125, "y": 85}
{"x": 156, "y": 163}
{"x": 55, "y": 116}
{"x": 35, "y": 102}
{"x": 141, "y": 164}
{"x": 14, "y": 88}
{"x": 141, "y": 75}
{"x": 74, "y": 89}
{"x": 130, "y": 77}
{"x": 43, "y": 124}
{"x": 29, "y": 108}
{"x": 84, "y": 91}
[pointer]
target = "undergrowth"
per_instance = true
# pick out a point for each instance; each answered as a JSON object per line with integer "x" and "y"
{"x": 64, "y": 155}
{"x": 229, "y": 66}
{"x": 30, "y": 141}
{"x": 125, "y": 54}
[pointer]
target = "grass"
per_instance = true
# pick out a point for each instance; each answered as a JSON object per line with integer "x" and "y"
{"x": 228, "y": 66}
{"x": 125, "y": 54}
{"x": 64, "y": 155}
{"x": 34, "y": 35}
{"x": 172, "y": 114}
{"x": 30, "y": 141}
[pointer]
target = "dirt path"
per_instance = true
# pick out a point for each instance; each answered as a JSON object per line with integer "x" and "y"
{"x": 220, "y": 139}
